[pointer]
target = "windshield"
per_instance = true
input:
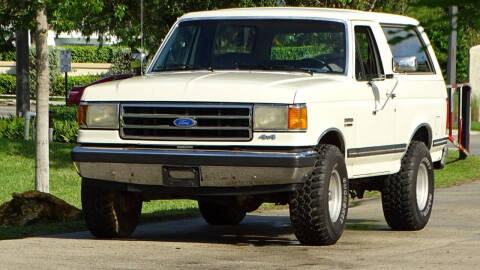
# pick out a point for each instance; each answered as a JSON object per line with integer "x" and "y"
{"x": 292, "y": 45}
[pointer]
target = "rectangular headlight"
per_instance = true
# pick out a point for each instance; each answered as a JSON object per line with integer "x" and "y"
{"x": 98, "y": 116}
{"x": 280, "y": 117}
{"x": 270, "y": 117}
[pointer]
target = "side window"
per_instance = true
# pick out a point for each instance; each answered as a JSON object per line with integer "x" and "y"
{"x": 367, "y": 58}
{"x": 405, "y": 41}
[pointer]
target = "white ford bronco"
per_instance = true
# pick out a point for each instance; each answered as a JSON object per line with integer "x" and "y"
{"x": 297, "y": 106}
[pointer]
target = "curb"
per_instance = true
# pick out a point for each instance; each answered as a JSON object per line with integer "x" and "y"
{"x": 472, "y": 132}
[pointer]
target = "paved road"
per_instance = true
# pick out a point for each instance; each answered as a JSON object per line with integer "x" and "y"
{"x": 265, "y": 241}
{"x": 6, "y": 111}
{"x": 474, "y": 142}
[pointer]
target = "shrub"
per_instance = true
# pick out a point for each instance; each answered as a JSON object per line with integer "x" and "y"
{"x": 120, "y": 57}
{"x": 90, "y": 54}
{"x": 8, "y": 84}
{"x": 12, "y": 127}
{"x": 58, "y": 86}
{"x": 65, "y": 127}
{"x": 8, "y": 56}
{"x": 64, "y": 113}
{"x": 53, "y": 65}
{"x": 80, "y": 54}
{"x": 121, "y": 61}
{"x": 65, "y": 131}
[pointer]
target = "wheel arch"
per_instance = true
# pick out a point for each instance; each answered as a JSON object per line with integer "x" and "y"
{"x": 423, "y": 133}
{"x": 333, "y": 136}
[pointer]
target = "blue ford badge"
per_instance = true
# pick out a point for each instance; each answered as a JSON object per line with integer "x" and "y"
{"x": 184, "y": 122}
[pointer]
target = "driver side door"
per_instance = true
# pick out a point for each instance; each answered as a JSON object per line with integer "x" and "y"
{"x": 374, "y": 117}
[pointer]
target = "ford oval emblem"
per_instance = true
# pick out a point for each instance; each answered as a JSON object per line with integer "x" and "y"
{"x": 184, "y": 122}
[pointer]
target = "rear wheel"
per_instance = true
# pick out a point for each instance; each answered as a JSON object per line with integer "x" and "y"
{"x": 221, "y": 214}
{"x": 109, "y": 213}
{"x": 318, "y": 209}
{"x": 407, "y": 197}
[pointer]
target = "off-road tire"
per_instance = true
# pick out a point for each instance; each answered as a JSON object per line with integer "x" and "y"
{"x": 309, "y": 206}
{"x": 220, "y": 214}
{"x": 108, "y": 213}
{"x": 399, "y": 196}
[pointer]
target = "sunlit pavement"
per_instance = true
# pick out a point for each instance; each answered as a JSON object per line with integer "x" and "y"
{"x": 265, "y": 240}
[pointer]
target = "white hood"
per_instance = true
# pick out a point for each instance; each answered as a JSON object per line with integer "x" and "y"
{"x": 207, "y": 86}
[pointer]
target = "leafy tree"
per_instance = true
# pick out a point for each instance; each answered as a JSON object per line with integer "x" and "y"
{"x": 468, "y": 14}
{"x": 33, "y": 15}
{"x": 436, "y": 21}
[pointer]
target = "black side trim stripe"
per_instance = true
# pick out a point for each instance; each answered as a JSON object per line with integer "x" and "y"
{"x": 376, "y": 150}
{"x": 441, "y": 141}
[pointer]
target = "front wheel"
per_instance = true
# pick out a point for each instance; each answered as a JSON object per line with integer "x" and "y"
{"x": 110, "y": 213}
{"x": 318, "y": 208}
{"x": 407, "y": 197}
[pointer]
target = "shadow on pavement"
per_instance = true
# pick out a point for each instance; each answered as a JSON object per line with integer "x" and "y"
{"x": 256, "y": 230}
{"x": 366, "y": 225}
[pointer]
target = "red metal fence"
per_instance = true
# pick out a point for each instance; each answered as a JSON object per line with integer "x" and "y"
{"x": 464, "y": 118}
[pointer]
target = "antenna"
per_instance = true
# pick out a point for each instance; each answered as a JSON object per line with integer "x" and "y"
{"x": 141, "y": 37}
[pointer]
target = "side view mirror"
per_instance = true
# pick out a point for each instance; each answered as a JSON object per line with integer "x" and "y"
{"x": 138, "y": 60}
{"x": 405, "y": 64}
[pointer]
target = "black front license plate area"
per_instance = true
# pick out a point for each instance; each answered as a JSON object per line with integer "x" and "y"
{"x": 174, "y": 176}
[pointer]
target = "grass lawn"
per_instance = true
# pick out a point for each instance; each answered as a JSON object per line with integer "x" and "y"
{"x": 17, "y": 174}
{"x": 17, "y": 170}
{"x": 474, "y": 126}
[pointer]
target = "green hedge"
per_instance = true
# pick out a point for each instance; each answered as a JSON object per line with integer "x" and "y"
{"x": 64, "y": 113}
{"x": 8, "y": 56}
{"x": 12, "y": 127}
{"x": 80, "y": 54}
{"x": 90, "y": 54}
{"x": 53, "y": 66}
{"x": 57, "y": 88}
{"x": 65, "y": 127}
{"x": 8, "y": 84}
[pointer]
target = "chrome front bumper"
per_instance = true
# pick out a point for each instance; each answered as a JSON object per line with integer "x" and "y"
{"x": 193, "y": 168}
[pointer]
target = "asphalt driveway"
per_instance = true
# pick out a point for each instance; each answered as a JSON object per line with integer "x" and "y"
{"x": 265, "y": 241}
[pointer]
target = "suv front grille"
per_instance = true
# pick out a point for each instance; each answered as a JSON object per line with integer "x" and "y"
{"x": 213, "y": 122}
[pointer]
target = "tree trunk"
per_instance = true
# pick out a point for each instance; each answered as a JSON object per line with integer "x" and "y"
{"x": 23, "y": 81}
{"x": 42, "y": 151}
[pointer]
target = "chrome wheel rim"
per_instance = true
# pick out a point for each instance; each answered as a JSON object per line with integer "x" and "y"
{"x": 334, "y": 196}
{"x": 422, "y": 186}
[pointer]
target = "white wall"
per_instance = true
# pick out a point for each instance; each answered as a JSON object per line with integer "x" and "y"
{"x": 474, "y": 70}
{"x": 76, "y": 38}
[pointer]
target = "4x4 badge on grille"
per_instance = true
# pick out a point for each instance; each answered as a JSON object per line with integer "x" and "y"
{"x": 184, "y": 122}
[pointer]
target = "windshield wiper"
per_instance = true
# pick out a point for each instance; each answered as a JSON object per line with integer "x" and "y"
{"x": 181, "y": 67}
{"x": 275, "y": 67}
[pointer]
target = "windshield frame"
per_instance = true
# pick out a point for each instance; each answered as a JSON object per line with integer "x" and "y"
{"x": 178, "y": 22}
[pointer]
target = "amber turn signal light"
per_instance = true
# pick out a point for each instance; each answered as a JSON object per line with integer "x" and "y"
{"x": 82, "y": 115}
{"x": 297, "y": 118}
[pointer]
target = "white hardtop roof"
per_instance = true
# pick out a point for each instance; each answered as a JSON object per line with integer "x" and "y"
{"x": 300, "y": 12}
